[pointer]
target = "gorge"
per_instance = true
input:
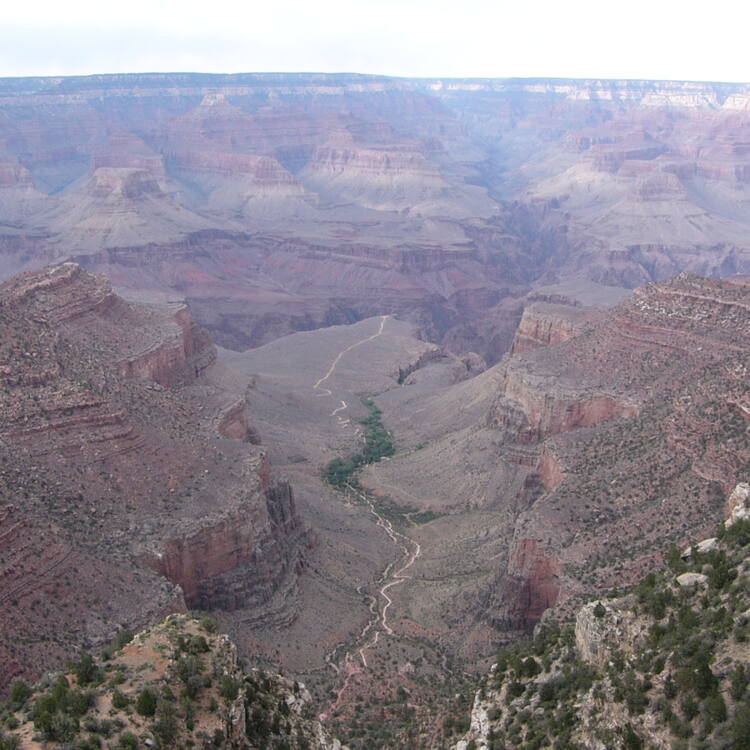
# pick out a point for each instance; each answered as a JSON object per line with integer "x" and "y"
{"x": 211, "y": 281}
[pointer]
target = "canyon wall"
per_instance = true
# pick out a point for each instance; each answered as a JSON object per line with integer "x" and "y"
{"x": 613, "y": 467}
{"x": 277, "y": 203}
{"x": 569, "y": 467}
{"x": 129, "y": 485}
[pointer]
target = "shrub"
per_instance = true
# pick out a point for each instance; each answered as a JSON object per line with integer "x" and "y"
{"x": 56, "y": 727}
{"x": 192, "y": 644}
{"x": 689, "y": 707}
{"x": 740, "y": 728}
{"x": 165, "y": 726}
{"x": 515, "y": 689}
{"x": 78, "y": 703}
{"x": 716, "y": 709}
{"x": 228, "y": 688}
{"x": 128, "y": 741}
{"x": 209, "y": 624}
{"x": 119, "y": 699}
{"x": 630, "y": 740}
{"x": 739, "y": 682}
{"x": 86, "y": 670}
{"x": 20, "y": 692}
{"x": 145, "y": 704}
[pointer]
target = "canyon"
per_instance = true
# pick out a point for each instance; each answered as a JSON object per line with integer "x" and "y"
{"x": 282, "y": 202}
{"x": 212, "y": 281}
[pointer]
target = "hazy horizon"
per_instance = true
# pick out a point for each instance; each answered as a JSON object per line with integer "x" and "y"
{"x": 166, "y": 72}
{"x": 410, "y": 38}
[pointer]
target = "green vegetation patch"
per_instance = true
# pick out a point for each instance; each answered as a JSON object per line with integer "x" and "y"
{"x": 378, "y": 444}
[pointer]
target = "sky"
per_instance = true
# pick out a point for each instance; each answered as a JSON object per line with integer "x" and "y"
{"x": 659, "y": 39}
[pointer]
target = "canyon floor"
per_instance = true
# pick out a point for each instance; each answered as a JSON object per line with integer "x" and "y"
{"x": 387, "y": 598}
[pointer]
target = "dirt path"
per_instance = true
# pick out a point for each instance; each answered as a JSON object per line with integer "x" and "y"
{"x": 378, "y": 622}
{"x": 410, "y": 552}
{"x": 326, "y": 391}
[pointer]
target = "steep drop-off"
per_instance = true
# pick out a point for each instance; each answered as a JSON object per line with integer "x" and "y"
{"x": 129, "y": 698}
{"x": 666, "y": 665}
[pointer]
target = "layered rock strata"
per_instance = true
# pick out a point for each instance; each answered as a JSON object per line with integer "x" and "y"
{"x": 129, "y": 485}
{"x": 279, "y": 203}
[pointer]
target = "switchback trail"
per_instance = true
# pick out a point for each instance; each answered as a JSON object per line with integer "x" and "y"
{"x": 378, "y": 622}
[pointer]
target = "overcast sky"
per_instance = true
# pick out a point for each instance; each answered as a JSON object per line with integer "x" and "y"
{"x": 579, "y": 38}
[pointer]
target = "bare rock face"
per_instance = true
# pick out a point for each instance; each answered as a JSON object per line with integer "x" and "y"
{"x": 531, "y": 586}
{"x": 668, "y": 358}
{"x": 549, "y": 409}
{"x": 212, "y": 565}
{"x": 129, "y": 488}
{"x": 604, "y": 628}
{"x": 545, "y": 323}
{"x": 737, "y": 506}
{"x": 688, "y": 580}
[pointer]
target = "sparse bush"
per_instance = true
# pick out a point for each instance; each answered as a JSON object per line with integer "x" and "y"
{"x": 228, "y": 688}
{"x": 145, "y": 703}
{"x": 20, "y": 692}
{"x": 86, "y": 670}
{"x": 127, "y": 741}
{"x": 119, "y": 699}
{"x": 209, "y": 624}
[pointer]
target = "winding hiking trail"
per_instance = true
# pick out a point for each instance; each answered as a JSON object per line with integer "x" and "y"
{"x": 326, "y": 391}
{"x": 408, "y": 552}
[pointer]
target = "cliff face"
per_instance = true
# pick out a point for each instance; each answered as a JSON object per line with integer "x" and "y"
{"x": 672, "y": 421}
{"x": 236, "y": 561}
{"x": 588, "y": 454}
{"x": 278, "y": 203}
{"x": 129, "y": 484}
{"x": 531, "y": 586}
{"x": 173, "y": 360}
{"x": 545, "y": 323}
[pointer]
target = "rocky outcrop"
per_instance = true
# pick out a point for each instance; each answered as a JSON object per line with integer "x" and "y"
{"x": 604, "y": 628}
{"x": 626, "y": 659}
{"x": 61, "y": 293}
{"x": 234, "y": 707}
{"x": 236, "y": 561}
{"x": 545, "y": 323}
{"x": 173, "y": 360}
{"x": 549, "y": 408}
{"x": 737, "y": 505}
{"x": 531, "y": 585}
{"x": 233, "y": 421}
